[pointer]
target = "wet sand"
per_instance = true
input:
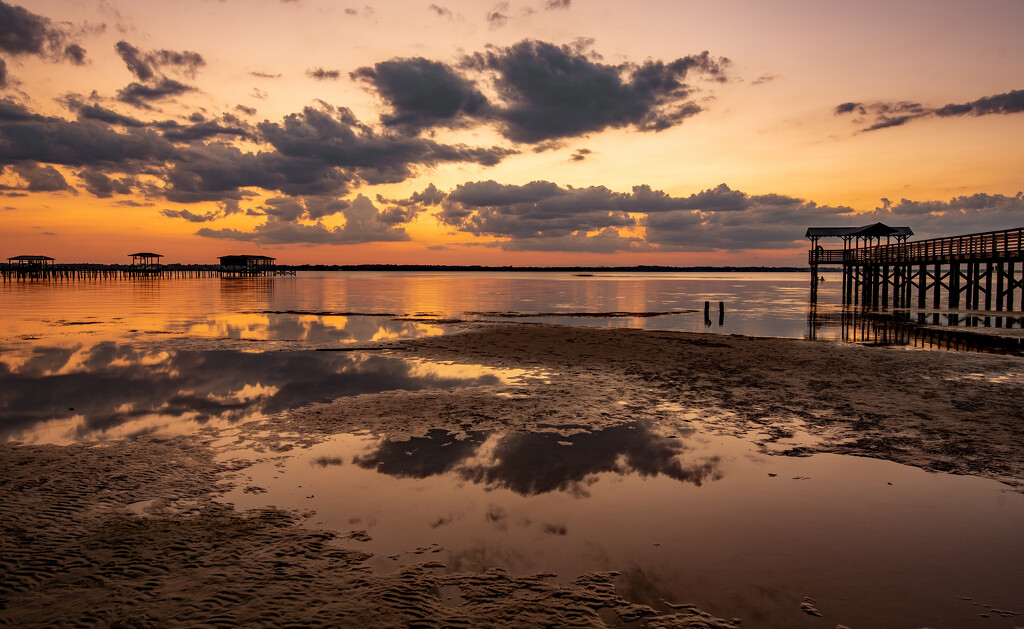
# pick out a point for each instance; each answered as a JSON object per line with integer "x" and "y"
{"x": 130, "y": 533}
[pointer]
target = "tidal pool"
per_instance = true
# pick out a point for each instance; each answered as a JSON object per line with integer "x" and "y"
{"x": 107, "y": 390}
{"x": 686, "y": 516}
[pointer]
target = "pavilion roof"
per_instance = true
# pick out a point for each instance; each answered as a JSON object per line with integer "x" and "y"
{"x": 873, "y": 230}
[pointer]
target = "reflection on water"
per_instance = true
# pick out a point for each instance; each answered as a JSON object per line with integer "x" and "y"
{"x": 536, "y": 463}
{"x": 108, "y": 389}
{"x": 688, "y": 517}
{"x": 936, "y": 330}
{"x": 767, "y": 304}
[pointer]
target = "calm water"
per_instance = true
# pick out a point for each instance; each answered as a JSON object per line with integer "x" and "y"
{"x": 688, "y": 516}
{"x": 771, "y": 304}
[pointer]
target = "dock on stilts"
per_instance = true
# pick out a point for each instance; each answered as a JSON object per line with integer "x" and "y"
{"x": 966, "y": 281}
{"x": 983, "y": 271}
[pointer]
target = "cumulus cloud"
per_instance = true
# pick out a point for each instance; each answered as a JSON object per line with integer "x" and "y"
{"x": 543, "y": 216}
{"x": 550, "y": 92}
{"x": 960, "y": 215}
{"x": 25, "y": 33}
{"x": 886, "y": 115}
{"x": 333, "y": 137}
{"x": 99, "y": 184}
{"x": 203, "y": 130}
{"x": 544, "y": 93}
{"x": 150, "y": 65}
{"x": 422, "y": 93}
{"x": 363, "y": 224}
{"x": 150, "y": 69}
{"x": 25, "y": 136}
{"x": 139, "y": 94}
{"x": 319, "y": 152}
{"x": 42, "y": 178}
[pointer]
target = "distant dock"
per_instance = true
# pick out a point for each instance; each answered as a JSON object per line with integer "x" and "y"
{"x": 144, "y": 265}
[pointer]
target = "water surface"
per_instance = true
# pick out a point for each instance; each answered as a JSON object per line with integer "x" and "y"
{"x": 689, "y": 517}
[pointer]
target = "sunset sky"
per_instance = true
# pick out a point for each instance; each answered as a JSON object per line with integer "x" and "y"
{"x": 539, "y": 132}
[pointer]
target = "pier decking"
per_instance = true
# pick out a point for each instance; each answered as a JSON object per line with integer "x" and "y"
{"x": 983, "y": 271}
{"x": 144, "y": 265}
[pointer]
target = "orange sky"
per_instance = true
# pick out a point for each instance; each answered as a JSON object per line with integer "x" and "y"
{"x": 549, "y": 132}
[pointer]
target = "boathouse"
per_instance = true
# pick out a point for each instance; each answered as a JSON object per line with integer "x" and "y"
{"x": 145, "y": 263}
{"x": 30, "y": 266}
{"x": 246, "y": 265}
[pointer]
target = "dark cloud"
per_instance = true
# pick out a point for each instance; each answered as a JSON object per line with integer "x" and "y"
{"x": 42, "y": 178}
{"x": 248, "y": 111}
{"x": 498, "y": 16}
{"x": 1008, "y": 103}
{"x": 147, "y": 66}
{"x": 96, "y": 112}
{"x": 886, "y": 115}
{"x": 441, "y": 11}
{"x": 100, "y": 185}
{"x": 3, "y": 73}
{"x": 580, "y": 155}
{"x": 553, "y": 5}
{"x": 217, "y": 172}
{"x": 317, "y": 153}
{"x": 30, "y": 137}
{"x": 265, "y": 75}
{"x": 75, "y": 54}
{"x": 846, "y": 108}
{"x": 321, "y": 74}
{"x": 542, "y": 216}
{"x": 292, "y": 209}
{"x": 399, "y": 211}
{"x": 552, "y": 92}
{"x": 422, "y": 93}
{"x": 960, "y": 215}
{"x": 25, "y": 33}
{"x": 363, "y": 224}
{"x": 177, "y": 132}
{"x": 139, "y": 95}
{"x": 189, "y": 216}
{"x": 336, "y": 138}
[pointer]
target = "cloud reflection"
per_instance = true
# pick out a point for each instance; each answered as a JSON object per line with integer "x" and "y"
{"x": 110, "y": 385}
{"x": 537, "y": 463}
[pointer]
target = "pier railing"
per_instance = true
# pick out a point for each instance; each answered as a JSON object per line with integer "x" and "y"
{"x": 1007, "y": 244}
{"x": 826, "y": 256}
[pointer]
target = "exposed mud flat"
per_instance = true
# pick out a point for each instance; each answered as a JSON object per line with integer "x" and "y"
{"x": 130, "y": 533}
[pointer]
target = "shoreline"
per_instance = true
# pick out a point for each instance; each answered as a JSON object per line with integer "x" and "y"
{"x": 130, "y": 533}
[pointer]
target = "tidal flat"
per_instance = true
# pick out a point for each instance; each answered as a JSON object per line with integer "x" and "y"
{"x": 515, "y": 474}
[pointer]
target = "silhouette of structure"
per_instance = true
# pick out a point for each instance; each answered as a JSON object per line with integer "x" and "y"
{"x": 974, "y": 271}
{"x": 30, "y": 267}
{"x": 145, "y": 264}
{"x": 246, "y": 265}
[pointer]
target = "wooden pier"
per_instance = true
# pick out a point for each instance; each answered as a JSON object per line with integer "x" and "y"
{"x": 974, "y": 272}
{"x": 144, "y": 265}
{"x": 75, "y": 272}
